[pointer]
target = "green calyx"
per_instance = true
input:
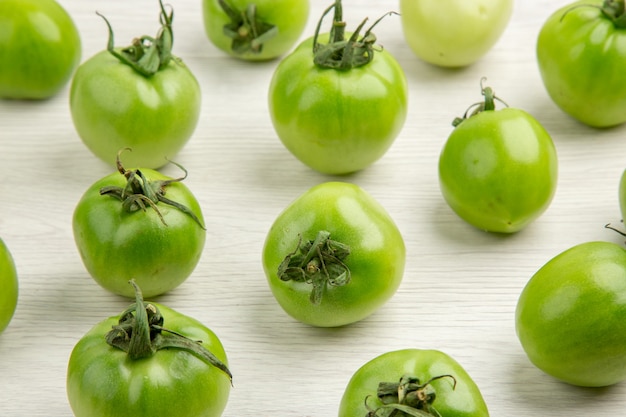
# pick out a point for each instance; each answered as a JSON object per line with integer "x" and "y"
{"x": 319, "y": 263}
{"x": 341, "y": 53}
{"x": 406, "y": 398}
{"x": 247, "y": 31}
{"x": 140, "y": 333}
{"x": 488, "y": 104}
{"x": 141, "y": 193}
{"x": 614, "y": 10}
{"x": 147, "y": 55}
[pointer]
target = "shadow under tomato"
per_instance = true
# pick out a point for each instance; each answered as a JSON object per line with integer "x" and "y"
{"x": 527, "y": 381}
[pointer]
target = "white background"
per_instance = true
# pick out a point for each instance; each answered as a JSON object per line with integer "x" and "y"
{"x": 460, "y": 287}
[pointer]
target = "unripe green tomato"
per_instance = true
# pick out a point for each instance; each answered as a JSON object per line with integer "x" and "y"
{"x": 39, "y": 48}
{"x": 8, "y": 286}
{"x": 498, "y": 170}
{"x": 344, "y": 277}
{"x": 453, "y": 33}
{"x": 571, "y": 316}
{"x": 440, "y": 384}
{"x": 580, "y": 55}
{"x": 254, "y": 30}
{"x": 158, "y": 247}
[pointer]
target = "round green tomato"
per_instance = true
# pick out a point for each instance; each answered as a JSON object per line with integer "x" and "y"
{"x": 436, "y": 384}
{"x": 333, "y": 256}
{"x": 102, "y": 381}
{"x": 571, "y": 316}
{"x": 39, "y": 48}
{"x": 498, "y": 170}
{"x": 8, "y": 286}
{"x": 114, "y": 107}
{"x": 337, "y": 121}
{"x": 453, "y": 33}
{"x": 580, "y": 53}
{"x": 255, "y": 30}
{"x": 159, "y": 246}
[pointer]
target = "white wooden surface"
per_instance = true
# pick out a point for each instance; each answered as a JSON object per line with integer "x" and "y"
{"x": 460, "y": 287}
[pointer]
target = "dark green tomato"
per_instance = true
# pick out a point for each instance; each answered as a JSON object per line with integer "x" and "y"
{"x": 104, "y": 381}
{"x": 364, "y": 254}
{"x": 158, "y": 251}
{"x": 255, "y": 30}
{"x": 447, "y": 389}
{"x": 8, "y": 286}
{"x": 571, "y": 316}
{"x": 580, "y": 52}
{"x": 39, "y": 48}
{"x": 498, "y": 170}
{"x": 337, "y": 121}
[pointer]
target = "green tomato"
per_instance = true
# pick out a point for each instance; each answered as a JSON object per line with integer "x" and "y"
{"x": 119, "y": 98}
{"x": 580, "y": 53}
{"x": 453, "y": 33}
{"x": 148, "y": 227}
{"x": 498, "y": 169}
{"x": 338, "y": 115}
{"x": 8, "y": 286}
{"x": 333, "y": 256}
{"x": 150, "y": 361}
{"x": 39, "y": 48}
{"x": 255, "y": 30}
{"x": 432, "y": 381}
{"x": 571, "y": 316}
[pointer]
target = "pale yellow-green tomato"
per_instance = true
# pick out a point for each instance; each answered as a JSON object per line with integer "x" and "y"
{"x": 453, "y": 33}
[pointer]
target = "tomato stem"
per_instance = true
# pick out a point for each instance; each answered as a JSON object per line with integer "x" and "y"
{"x": 247, "y": 31}
{"x": 488, "y": 104}
{"x": 339, "y": 53}
{"x": 146, "y": 55}
{"x": 319, "y": 263}
{"x": 614, "y": 10}
{"x": 408, "y": 397}
{"x": 140, "y": 333}
{"x": 139, "y": 192}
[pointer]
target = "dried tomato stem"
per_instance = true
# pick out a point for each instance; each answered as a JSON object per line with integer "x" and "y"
{"x": 407, "y": 397}
{"x": 341, "y": 53}
{"x": 319, "y": 263}
{"x": 141, "y": 192}
{"x": 247, "y": 31}
{"x": 140, "y": 333}
{"x": 146, "y": 55}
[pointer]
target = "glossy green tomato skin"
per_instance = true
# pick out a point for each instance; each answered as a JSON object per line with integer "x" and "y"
{"x": 498, "y": 170}
{"x": 117, "y": 246}
{"x": 40, "y": 48}
{"x": 335, "y": 121}
{"x": 115, "y": 107}
{"x": 9, "y": 286}
{"x": 376, "y": 260}
{"x": 103, "y": 382}
{"x": 453, "y": 33}
{"x": 571, "y": 316}
{"x": 288, "y": 16}
{"x": 465, "y": 400}
{"x": 580, "y": 54}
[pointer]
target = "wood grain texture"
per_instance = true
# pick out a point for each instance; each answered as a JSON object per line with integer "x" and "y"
{"x": 460, "y": 287}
